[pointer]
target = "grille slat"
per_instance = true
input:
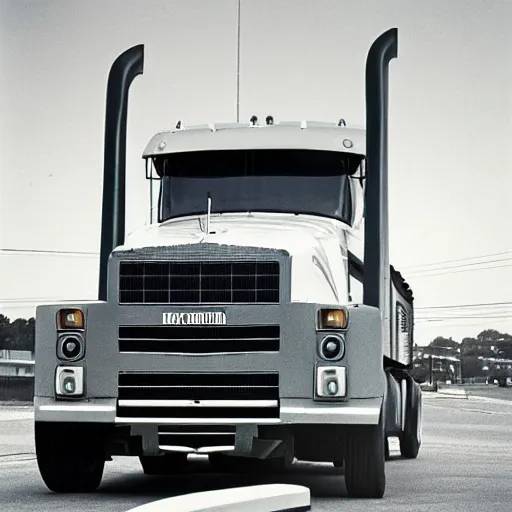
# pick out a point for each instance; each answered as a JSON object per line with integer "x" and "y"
{"x": 256, "y": 394}
{"x": 196, "y": 440}
{"x": 203, "y": 412}
{"x": 196, "y": 436}
{"x": 199, "y": 282}
{"x": 196, "y": 393}
{"x": 199, "y": 339}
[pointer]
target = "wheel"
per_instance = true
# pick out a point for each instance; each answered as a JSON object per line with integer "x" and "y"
{"x": 70, "y": 456}
{"x": 168, "y": 464}
{"x": 410, "y": 438}
{"x": 365, "y": 475}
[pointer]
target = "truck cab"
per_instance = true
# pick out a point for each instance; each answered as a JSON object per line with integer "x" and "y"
{"x": 256, "y": 321}
{"x": 289, "y": 186}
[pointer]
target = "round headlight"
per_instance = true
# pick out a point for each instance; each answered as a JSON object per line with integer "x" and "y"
{"x": 332, "y": 347}
{"x": 70, "y": 347}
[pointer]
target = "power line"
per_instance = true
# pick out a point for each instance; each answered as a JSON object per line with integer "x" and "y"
{"x": 434, "y": 274}
{"x": 449, "y": 324}
{"x": 48, "y": 252}
{"x": 457, "y": 260}
{"x": 443, "y": 319}
{"x": 459, "y": 266}
{"x": 31, "y": 300}
{"x": 466, "y": 305}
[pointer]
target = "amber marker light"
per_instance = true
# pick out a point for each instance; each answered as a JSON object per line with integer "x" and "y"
{"x": 332, "y": 319}
{"x": 70, "y": 319}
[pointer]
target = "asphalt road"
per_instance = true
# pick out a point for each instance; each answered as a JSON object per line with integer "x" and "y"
{"x": 465, "y": 464}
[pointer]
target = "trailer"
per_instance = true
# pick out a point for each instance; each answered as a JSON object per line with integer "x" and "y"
{"x": 257, "y": 320}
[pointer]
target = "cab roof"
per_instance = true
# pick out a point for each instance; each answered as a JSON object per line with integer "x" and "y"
{"x": 239, "y": 136}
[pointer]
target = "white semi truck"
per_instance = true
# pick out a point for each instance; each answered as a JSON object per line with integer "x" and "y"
{"x": 259, "y": 319}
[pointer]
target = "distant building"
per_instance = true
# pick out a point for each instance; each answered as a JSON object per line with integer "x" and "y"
{"x": 445, "y": 361}
{"x": 16, "y": 363}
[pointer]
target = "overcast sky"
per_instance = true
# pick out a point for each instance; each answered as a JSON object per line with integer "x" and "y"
{"x": 450, "y": 154}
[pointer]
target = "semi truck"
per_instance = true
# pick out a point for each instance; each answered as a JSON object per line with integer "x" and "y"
{"x": 257, "y": 320}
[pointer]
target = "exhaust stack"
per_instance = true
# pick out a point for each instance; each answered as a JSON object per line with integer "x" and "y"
{"x": 376, "y": 238}
{"x": 122, "y": 73}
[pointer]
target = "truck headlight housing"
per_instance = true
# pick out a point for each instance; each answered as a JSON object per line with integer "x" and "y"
{"x": 70, "y": 347}
{"x": 332, "y": 347}
{"x": 70, "y": 319}
{"x": 69, "y": 381}
{"x": 332, "y": 319}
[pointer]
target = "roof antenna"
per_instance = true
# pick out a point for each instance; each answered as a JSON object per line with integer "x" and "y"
{"x": 208, "y": 215}
{"x": 238, "y": 65}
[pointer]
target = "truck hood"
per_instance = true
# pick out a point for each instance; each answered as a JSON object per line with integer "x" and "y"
{"x": 317, "y": 246}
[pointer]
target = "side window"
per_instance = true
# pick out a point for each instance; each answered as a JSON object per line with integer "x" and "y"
{"x": 355, "y": 290}
{"x": 346, "y": 202}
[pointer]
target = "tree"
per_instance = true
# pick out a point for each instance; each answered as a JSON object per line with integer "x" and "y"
{"x": 5, "y": 332}
{"x": 443, "y": 342}
{"x": 504, "y": 349}
{"x": 490, "y": 335}
{"x": 17, "y": 335}
{"x": 23, "y": 334}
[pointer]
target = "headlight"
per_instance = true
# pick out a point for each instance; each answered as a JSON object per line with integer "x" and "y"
{"x": 332, "y": 347}
{"x": 332, "y": 319}
{"x": 331, "y": 382}
{"x": 70, "y": 347}
{"x": 70, "y": 319}
{"x": 69, "y": 381}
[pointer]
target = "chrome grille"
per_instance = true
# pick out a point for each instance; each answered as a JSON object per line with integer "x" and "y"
{"x": 198, "y": 395}
{"x": 199, "y": 339}
{"x": 207, "y": 282}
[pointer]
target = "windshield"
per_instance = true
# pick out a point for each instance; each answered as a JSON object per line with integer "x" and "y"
{"x": 292, "y": 181}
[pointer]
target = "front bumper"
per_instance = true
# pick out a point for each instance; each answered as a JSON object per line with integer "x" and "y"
{"x": 359, "y": 411}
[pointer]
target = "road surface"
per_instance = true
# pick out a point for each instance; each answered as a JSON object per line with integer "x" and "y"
{"x": 465, "y": 464}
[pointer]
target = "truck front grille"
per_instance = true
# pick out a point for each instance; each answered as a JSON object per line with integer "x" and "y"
{"x": 219, "y": 339}
{"x": 198, "y": 395}
{"x": 204, "y": 282}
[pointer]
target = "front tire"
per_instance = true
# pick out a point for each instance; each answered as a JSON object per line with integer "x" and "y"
{"x": 410, "y": 438}
{"x": 365, "y": 475}
{"x": 70, "y": 456}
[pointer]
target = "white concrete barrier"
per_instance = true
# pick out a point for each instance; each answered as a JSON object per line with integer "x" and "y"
{"x": 453, "y": 392}
{"x": 254, "y": 498}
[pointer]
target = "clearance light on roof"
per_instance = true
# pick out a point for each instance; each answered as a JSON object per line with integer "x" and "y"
{"x": 269, "y": 120}
{"x": 253, "y": 121}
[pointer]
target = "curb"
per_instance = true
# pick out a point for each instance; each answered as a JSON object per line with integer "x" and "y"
{"x": 491, "y": 400}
